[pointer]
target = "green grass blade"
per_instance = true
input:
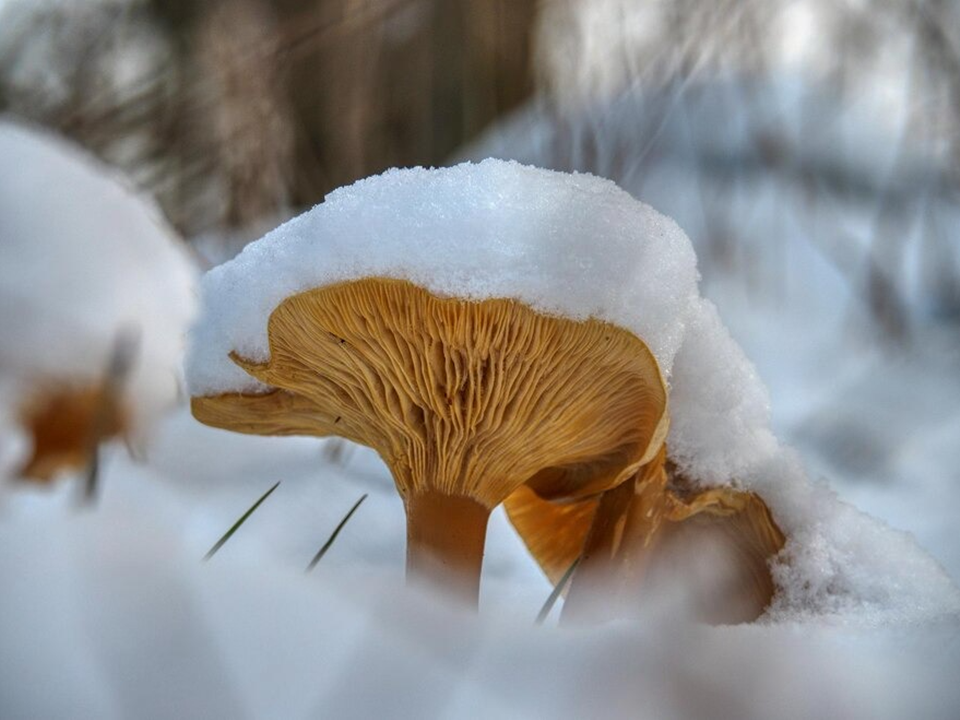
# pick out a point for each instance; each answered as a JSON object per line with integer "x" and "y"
{"x": 555, "y": 594}
{"x": 243, "y": 518}
{"x": 326, "y": 546}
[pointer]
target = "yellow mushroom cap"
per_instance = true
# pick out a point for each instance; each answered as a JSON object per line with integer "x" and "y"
{"x": 464, "y": 398}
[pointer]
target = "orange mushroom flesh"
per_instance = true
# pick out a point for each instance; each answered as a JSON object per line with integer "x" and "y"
{"x": 655, "y": 537}
{"x": 465, "y": 402}
{"x": 64, "y": 423}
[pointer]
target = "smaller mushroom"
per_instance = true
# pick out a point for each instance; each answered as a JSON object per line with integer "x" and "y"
{"x": 64, "y": 424}
{"x": 95, "y": 295}
{"x": 652, "y": 536}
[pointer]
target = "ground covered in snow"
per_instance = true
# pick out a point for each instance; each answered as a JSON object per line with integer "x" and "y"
{"x": 112, "y": 613}
{"x": 108, "y": 611}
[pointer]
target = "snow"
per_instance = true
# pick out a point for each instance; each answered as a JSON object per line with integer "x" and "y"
{"x": 719, "y": 408}
{"x": 115, "y": 598}
{"x": 14, "y": 444}
{"x": 571, "y": 245}
{"x": 84, "y": 260}
{"x": 839, "y": 562}
{"x": 499, "y": 229}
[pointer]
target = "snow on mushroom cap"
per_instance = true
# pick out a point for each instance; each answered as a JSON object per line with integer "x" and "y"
{"x": 719, "y": 407}
{"x": 82, "y": 259}
{"x": 838, "y": 562}
{"x": 575, "y": 245}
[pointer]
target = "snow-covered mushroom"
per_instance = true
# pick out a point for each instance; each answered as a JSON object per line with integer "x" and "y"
{"x": 464, "y": 400}
{"x": 481, "y": 326}
{"x": 95, "y": 297}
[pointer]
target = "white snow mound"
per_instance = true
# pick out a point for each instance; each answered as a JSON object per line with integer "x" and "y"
{"x": 83, "y": 259}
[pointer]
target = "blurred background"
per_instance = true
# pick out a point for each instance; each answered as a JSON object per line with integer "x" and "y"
{"x": 810, "y": 148}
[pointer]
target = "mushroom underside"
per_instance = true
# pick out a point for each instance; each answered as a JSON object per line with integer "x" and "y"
{"x": 467, "y": 400}
{"x": 459, "y": 397}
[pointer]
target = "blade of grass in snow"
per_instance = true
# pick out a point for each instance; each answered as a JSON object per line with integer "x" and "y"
{"x": 552, "y": 600}
{"x": 121, "y": 360}
{"x": 243, "y": 518}
{"x": 326, "y": 546}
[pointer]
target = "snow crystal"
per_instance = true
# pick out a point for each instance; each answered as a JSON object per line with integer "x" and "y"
{"x": 83, "y": 260}
{"x": 571, "y": 245}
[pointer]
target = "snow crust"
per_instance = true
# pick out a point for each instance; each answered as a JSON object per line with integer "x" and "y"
{"x": 84, "y": 259}
{"x": 573, "y": 245}
{"x": 100, "y": 603}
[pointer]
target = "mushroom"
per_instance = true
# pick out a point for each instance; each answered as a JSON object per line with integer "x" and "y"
{"x": 66, "y": 420}
{"x": 95, "y": 294}
{"x": 466, "y": 401}
{"x": 651, "y": 536}
{"x": 65, "y": 423}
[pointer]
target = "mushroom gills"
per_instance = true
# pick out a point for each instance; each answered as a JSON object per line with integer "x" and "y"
{"x": 465, "y": 401}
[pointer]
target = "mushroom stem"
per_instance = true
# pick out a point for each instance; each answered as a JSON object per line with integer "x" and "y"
{"x": 445, "y": 539}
